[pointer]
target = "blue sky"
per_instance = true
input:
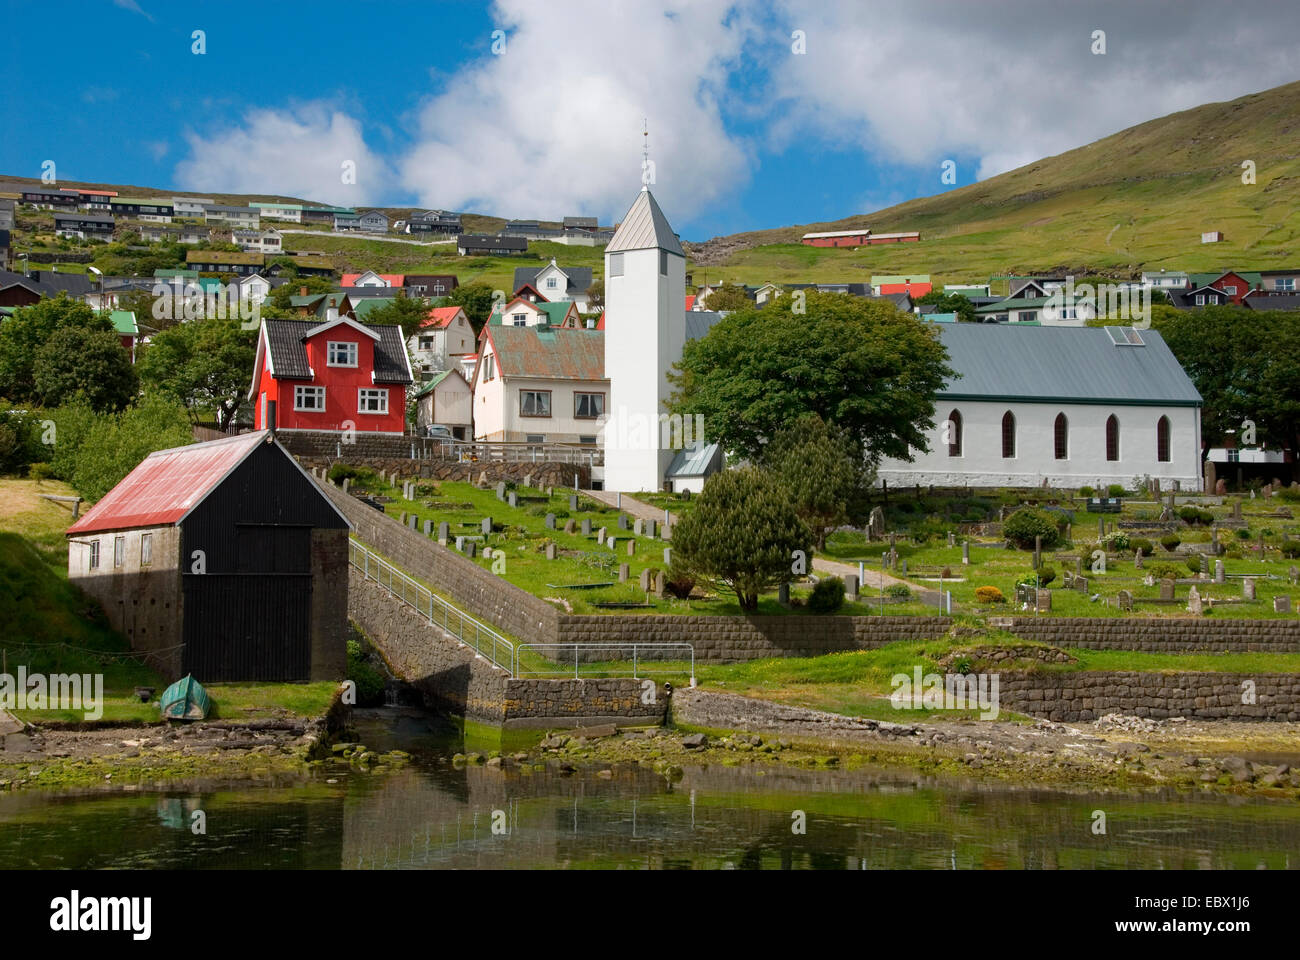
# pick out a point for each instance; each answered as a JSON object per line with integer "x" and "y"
{"x": 746, "y": 132}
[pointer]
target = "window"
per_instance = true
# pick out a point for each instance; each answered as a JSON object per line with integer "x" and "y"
{"x": 551, "y": 283}
{"x": 586, "y": 439}
{"x": 372, "y": 401}
{"x": 534, "y": 438}
{"x": 1285, "y": 283}
{"x": 1200, "y": 299}
{"x": 954, "y": 434}
{"x": 1069, "y": 313}
{"x": 1061, "y": 435}
{"x": 119, "y": 551}
{"x": 519, "y": 319}
{"x": 1026, "y": 316}
{"x": 535, "y": 403}
{"x": 663, "y": 263}
{"x": 1112, "y": 437}
{"x": 146, "y": 549}
{"x": 1230, "y": 289}
{"x": 94, "y": 554}
{"x": 426, "y": 343}
{"x": 489, "y": 367}
{"x": 588, "y": 406}
{"x": 1008, "y": 436}
{"x": 309, "y": 398}
{"x": 616, "y": 264}
{"x": 341, "y": 354}
{"x": 1162, "y": 439}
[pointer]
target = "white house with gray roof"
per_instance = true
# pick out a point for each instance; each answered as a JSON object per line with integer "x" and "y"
{"x": 1063, "y": 405}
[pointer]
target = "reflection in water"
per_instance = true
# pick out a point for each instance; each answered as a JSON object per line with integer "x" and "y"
{"x": 432, "y": 815}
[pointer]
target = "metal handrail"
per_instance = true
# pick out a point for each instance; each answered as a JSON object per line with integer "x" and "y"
{"x": 637, "y": 649}
{"x": 451, "y": 620}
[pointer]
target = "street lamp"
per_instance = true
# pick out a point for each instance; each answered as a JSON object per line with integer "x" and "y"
{"x": 100, "y": 274}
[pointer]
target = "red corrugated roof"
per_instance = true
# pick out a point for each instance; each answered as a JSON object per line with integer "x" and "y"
{"x": 393, "y": 279}
{"x": 166, "y": 485}
{"x": 690, "y": 301}
{"x": 440, "y": 316}
{"x": 600, "y": 324}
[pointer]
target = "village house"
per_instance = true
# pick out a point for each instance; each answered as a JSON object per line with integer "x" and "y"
{"x": 4, "y": 249}
{"x": 6, "y": 214}
{"x": 916, "y": 285}
{"x": 536, "y": 384}
{"x": 241, "y": 218}
{"x": 1199, "y": 297}
{"x": 93, "y": 201}
{"x": 50, "y": 198}
{"x": 446, "y": 400}
{"x": 372, "y": 221}
{"x": 308, "y": 265}
{"x": 1234, "y": 285}
{"x": 836, "y": 238}
{"x": 556, "y": 283}
{"x": 347, "y": 221}
{"x": 220, "y": 261}
{"x": 287, "y": 212}
{"x": 223, "y": 560}
{"x": 318, "y": 214}
{"x": 155, "y": 210}
{"x": 1047, "y": 310}
{"x": 1061, "y": 405}
{"x": 267, "y": 241}
{"x": 433, "y": 221}
{"x": 372, "y": 279}
{"x": 1167, "y": 281}
{"x": 192, "y": 207}
{"x": 523, "y": 312}
{"x": 1281, "y": 281}
{"x": 84, "y": 226}
{"x": 470, "y": 244}
{"x": 332, "y": 373}
{"x": 430, "y": 285}
{"x": 127, "y": 329}
{"x": 155, "y": 233}
{"x": 441, "y": 341}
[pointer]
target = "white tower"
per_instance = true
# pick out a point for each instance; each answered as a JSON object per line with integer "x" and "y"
{"x": 645, "y": 330}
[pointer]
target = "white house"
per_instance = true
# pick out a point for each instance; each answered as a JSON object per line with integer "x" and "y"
{"x": 446, "y": 400}
{"x": 1055, "y": 310}
{"x": 540, "y": 385}
{"x": 442, "y": 340}
{"x": 289, "y": 212}
{"x": 258, "y": 241}
{"x": 241, "y": 218}
{"x": 556, "y": 283}
{"x": 522, "y": 312}
{"x": 190, "y": 206}
{"x": 1167, "y": 280}
{"x": 254, "y": 289}
{"x": 1065, "y": 405}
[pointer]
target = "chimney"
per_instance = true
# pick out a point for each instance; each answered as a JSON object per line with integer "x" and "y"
{"x": 302, "y": 291}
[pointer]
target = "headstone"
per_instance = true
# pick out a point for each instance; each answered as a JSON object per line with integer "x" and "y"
{"x": 1125, "y": 600}
{"x": 1166, "y": 589}
{"x": 1282, "y": 604}
{"x": 586, "y": 526}
{"x": 783, "y": 594}
{"x": 644, "y": 579}
{"x": 550, "y": 521}
{"x": 1293, "y": 574}
{"x": 428, "y": 527}
{"x": 1067, "y": 580}
{"x": 1044, "y": 600}
{"x": 1248, "y": 588}
{"x": 952, "y": 539}
{"x": 414, "y": 522}
{"x": 460, "y": 544}
{"x": 1101, "y": 528}
{"x": 1137, "y": 559}
{"x": 444, "y": 531}
{"x": 1210, "y": 476}
{"x": 346, "y": 481}
{"x": 1205, "y": 563}
{"x": 573, "y": 502}
{"x": 668, "y": 556}
{"x": 1220, "y": 487}
{"x": 404, "y": 515}
{"x": 631, "y": 547}
{"x": 1194, "y": 602}
{"x": 512, "y": 499}
{"x": 876, "y": 524}
{"x": 570, "y": 525}
{"x": 1078, "y": 566}
{"x": 486, "y": 526}
{"x": 501, "y": 489}
{"x": 1236, "y": 508}
{"x": 652, "y": 528}
{"x": 1081, "y": 584}
{"x": 1038, "y": 551}
{"x": 622, "y": 521}
{"x": 1149, "y": 580}
{"x": 471, "y": 548}
{"x": 622, "y": 572}
{"x": 528, "y": 481}
{"x": 638, "y": 527}
{"x": 612, "y": 543}
{"x": 600, "y": 536}
{"x": 965, "y": 551}
{"x": 1218, "y": 571}
{"x": 550, "y": 491}
{"x": 550, "y": 551}
{"x": 851, "y": 586}
{"x": 661, "y": 584}
{"x": 905, "y": 567}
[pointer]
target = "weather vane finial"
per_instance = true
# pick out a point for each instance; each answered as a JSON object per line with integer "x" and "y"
{"x": 645, "y": 153}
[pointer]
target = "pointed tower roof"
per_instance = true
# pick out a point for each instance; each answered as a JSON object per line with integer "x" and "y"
{"x": 645, "y": 227}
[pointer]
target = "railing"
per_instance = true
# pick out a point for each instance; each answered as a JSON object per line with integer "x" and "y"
{"x": 500, "y": 451}
{"x": 455, "y": 623}
{"x": 612, "y": 667}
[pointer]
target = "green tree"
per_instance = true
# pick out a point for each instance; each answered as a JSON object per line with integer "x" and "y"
{"x": 407, "y": 313}
{"x": 743, "y": 533}
{"x": 30, "y": 328}
{"x": 116, "y": 443}
{"x": 200, "y": 363}
{"x": 279, "y": 299}
{"x": 596, "y": 296}
{"x": 858, "y": 363}
{"x": 84, "y": 363}
{"x": 824, "y": 471}
{"x": 729, "y": 296}
{"x": 476, "y": 300}
{"x": 950, "y": 303}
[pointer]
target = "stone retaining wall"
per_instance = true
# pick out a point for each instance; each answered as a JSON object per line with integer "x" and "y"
{"x": 580, "y": 703}
{"x": 543, "y": 474}
{"x": 1162, "y": 634}
{"x": 1074, "y": 696}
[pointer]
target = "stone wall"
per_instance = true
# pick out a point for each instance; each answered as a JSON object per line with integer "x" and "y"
{"x": 543, "y": 474}
{"x": 541, "y": 703}
{"x": 1161, "y": 634}
{"x": 1074, "y": 696}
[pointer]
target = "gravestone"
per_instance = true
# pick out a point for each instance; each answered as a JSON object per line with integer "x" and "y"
{"x": 622, "y": 572}
{"x": 1038, "y": 552}
{"x": 965, "y": 551}
{"x": 428, "y": 527}
{"x": 1067, "y": 580}
{"x": 528, "y": 480}
{"x": 661, "y": 584}
{"x": 471, "y": 548}
{"x": 631, "y": 547}
{"x": 460, "y": 544}
{"x": 876, "y": 523}
{"x": 1218, "y": 571}
{"x": 1282, "y": 604}
{"x": 668, "y": 556}
{"x": 612, "y": 543}
{"x": 952, "y": 539}
{"x": 905, "y": 567}
{"x": 1248, "y": 588}
{"x": 639, "y": 527}
{"x": 651, "y": 528}
{"x": 1081, "y": 584}
{"x": 1125, "y": 600}
{"x": 783, "y": 594}
{"x": 1194, "y": 602}
{"x": 403, "y": 518}
{"x": 501, "y": 490}
{"x": 1205, "y": 563}
{"x": 550, "y": 551}
{"x": 573, "y": 502}
{"x": 1209, "y": 476}
{"x": 586, "y": 526}
{"x": 1149, "y": 580}
{"x": 645, "y": 579}
{"x": 1137, "y": 559}
{"x": 1044, "y": 600}
{"x": 622, "y": 521}
{"x": 550, "y": 491}
{"x": 1293, "y": 574}
{"x": 550, "y": 521}
{"x": 414, "y": 522}
{"x": 345, "y": 484}
{"x": 1166, "y": 589}
{"x": 1078, "y": 566}
{"x": 851, "y": 586}
{"x": 486, "y": 526}
{"x": 600, "y": 536}
{"x": 1101, "y": 528}
{"x": 1220, "y": 487}
{"x": 1236, "y": 508}
{"x": 570, "y": 526}
{"x": 444, "y": 531}
{"x": 512, "y": 499}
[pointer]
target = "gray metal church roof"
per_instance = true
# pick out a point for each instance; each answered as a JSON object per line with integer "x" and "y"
{"x": 645, "y": 227}
{"x": 1063, "y": 364}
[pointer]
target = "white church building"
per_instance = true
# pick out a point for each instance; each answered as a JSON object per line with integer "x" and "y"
{"x": 1066, "y": 405}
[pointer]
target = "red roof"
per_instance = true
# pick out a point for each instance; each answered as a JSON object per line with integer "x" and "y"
{"x": 440, "y": 317}
{"x": 600, "y": 324}
{"x": 167, "y": 485}
{"x": 690, "y": 301}
{"x": 393, "y": 279}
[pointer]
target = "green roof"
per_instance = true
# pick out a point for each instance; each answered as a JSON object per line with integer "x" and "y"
{"x": 1197, "y": 280}
{"x": 940, "y": 317}
{"x": 364, "y": 306}
{"x": 124, "y": 322}
{"x": 183, "y": 274}
{"x": 437, "y": 379}
{"x": 1028, "y": 303}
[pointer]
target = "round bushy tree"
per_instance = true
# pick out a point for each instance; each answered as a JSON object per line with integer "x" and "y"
{"x": 1027, "y": 523}
{"x": 743, "y": 533}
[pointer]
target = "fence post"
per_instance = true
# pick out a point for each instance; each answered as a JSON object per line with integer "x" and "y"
{"x": 575, "y": 661}
{"x": 634, "y": 662}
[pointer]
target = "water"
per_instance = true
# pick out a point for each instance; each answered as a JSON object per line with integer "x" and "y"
{"x": 435, "y": 815}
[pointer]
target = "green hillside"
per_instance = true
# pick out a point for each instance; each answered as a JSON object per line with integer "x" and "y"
{"x": 1137, "y": 200}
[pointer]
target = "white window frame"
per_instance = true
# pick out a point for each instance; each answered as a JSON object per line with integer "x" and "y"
{"x": 94, "y": 554}
{"x": 146, "y": 549}
{"x": 350, "y": 349}
{"x": 119, "y": 552}
{"x": 552, "y": 283}
{"x": 1200, "y": 299}
{"x": 302, "y": 390}
{"x": 365, "y": 394}
{"x": 578, "y": 395}
{"x": 538, "y": 394}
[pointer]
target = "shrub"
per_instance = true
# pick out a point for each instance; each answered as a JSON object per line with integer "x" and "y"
{"x": 989, "y": 595}
{"x": 1194, "y": 516}
{"x": 1141, "y": 543}
{"x": 827, "y": 595}
{"x": 898, "y": 590}
{"x": 1170, "y": 541}
{"x": 1243, "y": 534}
{"x": 1290, "y": 494}
{"x": 679, "y": 581}
{"x": 1167, "y": 571}
{"x": 1085, "y": 491}
{"x": 1026, "y": 523}
{"x": 1290, "y": 549}
{"x": 1233, "y": 554}
{"x": 370, "y": 682}
{"x": 1194, "y": 563}
{"x": 1115, "y": 490}
{"x": 40, "y": 471}
{"x": 1115, "y": 541}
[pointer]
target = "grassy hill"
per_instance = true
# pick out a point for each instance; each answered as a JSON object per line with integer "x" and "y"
{"x": 1136, "y": 200}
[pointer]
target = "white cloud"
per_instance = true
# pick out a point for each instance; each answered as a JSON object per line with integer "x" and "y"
{"x": 295, "y": 152}
{"x": 552, "y": 126}
{"x": 133, "y": 7}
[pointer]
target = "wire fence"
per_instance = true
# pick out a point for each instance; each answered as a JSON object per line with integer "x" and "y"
{"x": 604, "y": 659}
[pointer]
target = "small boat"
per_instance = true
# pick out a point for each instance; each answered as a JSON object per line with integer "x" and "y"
{"x": 185, "y": 700}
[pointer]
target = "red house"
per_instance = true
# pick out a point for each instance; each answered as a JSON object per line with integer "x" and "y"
{"x": 335, "y": 374}
{"x": 1234, "y": 286}
{"x": 837, "y": 238}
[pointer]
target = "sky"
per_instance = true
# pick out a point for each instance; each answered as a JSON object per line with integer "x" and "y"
{"x": 760, "y": 113}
